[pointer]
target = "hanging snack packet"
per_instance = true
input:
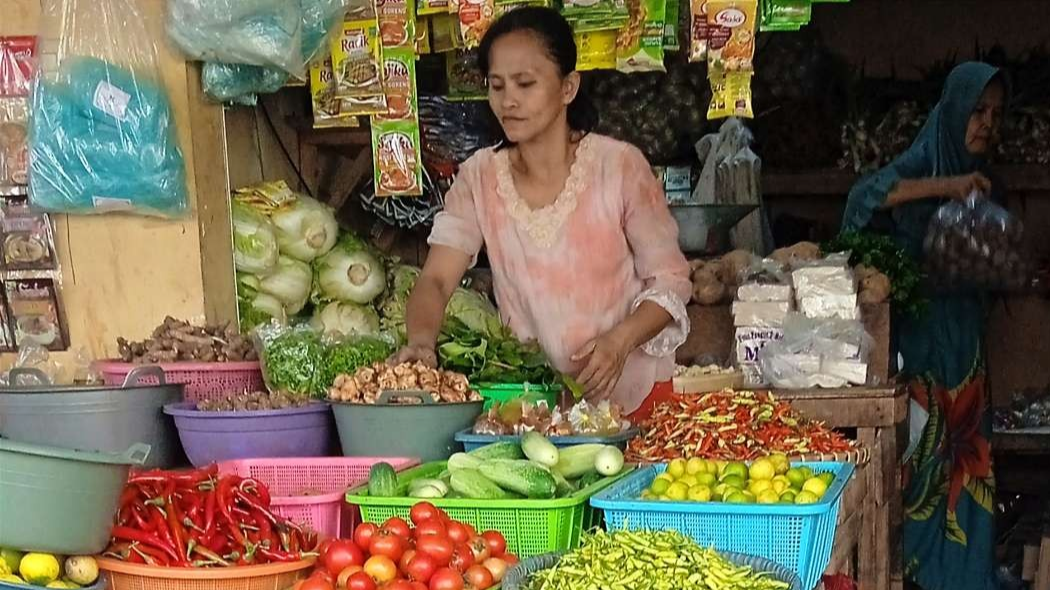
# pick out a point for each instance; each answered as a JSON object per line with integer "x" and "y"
{"x": 672, "y": 14}
{"x": 397, "y": 23}
{"x": 16, "y": 65}
{"x": 786, "y": 15}
{"x": 14, "y": 146}
{"x": 423, "y": 37}
{"x": 327, "y": 109}
{"x": 444, "y": 34}
{"x": 698, "y": 30}
{"x": 356, "y": 55}
{"x": 640, "y": 45}
{"x": 27, "y": 239}
{"x": 399, "y": 75}
{"x": 730, "y": 56}
{"x": 398, "y": 167}
{"x": 428, "y": 7}
{"x": 475, "y": 18}
{"x": 36, "y": 318}
{"x": 596, "y": 50}
{"x": 465, "y": 81}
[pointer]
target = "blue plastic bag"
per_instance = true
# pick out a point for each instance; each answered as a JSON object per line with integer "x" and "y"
{"x": 103, "y": 139}
{"x": 240, "y": 84}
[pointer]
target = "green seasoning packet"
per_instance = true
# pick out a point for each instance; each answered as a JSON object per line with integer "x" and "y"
{"x": 396, "y": 147}
{"x": 397, "y": 23}
{"x": 464, "y": 77}
{"x": 640, "y": 46}
{"x": 671, "y": 17}
{"x": 785, "y": 15}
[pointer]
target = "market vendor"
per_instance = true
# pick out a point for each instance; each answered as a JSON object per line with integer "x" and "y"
{"x": 949, "y": 486}
{"x": 583, "y": 249}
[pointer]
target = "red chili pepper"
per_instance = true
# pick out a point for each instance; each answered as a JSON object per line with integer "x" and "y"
{"x": 217, "y": 543}
{"x": 257, "y": 489}
{"x": 181, "y": 478}
{"x": 130, "y": 534}
{"x": 278, "y": 556}
{"x": 265, "y": 530}
{"x": 209, "y": 513}
{"x": 211, "y": 556}
{"x": 178, "y": 532}
{"x": 224, "y": 500}
{"x": 255, "y": 506}
{"x": 137, "y": 516}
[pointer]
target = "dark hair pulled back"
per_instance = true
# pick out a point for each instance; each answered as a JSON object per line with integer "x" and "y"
{"x": 556, "y": 35}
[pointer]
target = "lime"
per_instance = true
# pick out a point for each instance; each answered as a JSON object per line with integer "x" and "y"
{"x": 757, "y": 486}
{"x": 768, "y": 497}
{"x": 716, "y": 467}
{"x": 678, "y": 491}
{"x": 721, "y": 491}
{"x": 659, "y": 486}
{"x": 12, "y": 579}
{"x": 780, "y": 486}
{"x": 677, "y": 468}
{"x": 12, "y": 558}
{"x": 787, "y": 497}
{"x": 796, "y": 477}
{"x": 780, "y": 463}
{"x": 4, "y": 570}
{"x": 700, "y": 494}
{"x": 39, "y": 569}
{"x": 689, "y": 480}
{"x": 706, "y": 479}
{"x": 734, "y": 481}
{"x": 735, "y": 468}
{"x": 696, "y": 466}
{"x": 737, "y": 498}
{"x": 666, "y": 477}
{"x": 827, "y": 477}
{"x": 762, "y": 469}
{"x": 806, "y": 472}
{"x": 806, "y": 498}
{"x": 815, "y": 486}
{"x": 750, "y": 497}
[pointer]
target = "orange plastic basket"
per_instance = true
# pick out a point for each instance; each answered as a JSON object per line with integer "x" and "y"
{"x": 130, "y": 576}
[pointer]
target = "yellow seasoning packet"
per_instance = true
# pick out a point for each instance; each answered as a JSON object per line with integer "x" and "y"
{"x": 356, "y": 57}
{"x": 444, "y": 34}
{"x": 423, "y": 37}
{"x": 596, "y": 50}
{"x": 475, "y": 18}
{"x": 730, "y": 56}
{"x": 640, "y": 44}
{"x": 327, "y": 109}
{"x": 698, "y": 30}
{"x": 428, "y": 7}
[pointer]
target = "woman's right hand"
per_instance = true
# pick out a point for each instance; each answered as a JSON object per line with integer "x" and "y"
{"x": 960, "y": 187}
{"x": 415, "y": 352}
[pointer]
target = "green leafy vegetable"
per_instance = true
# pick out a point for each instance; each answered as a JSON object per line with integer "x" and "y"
{"x": 294, "y": 362}
{"x": 880, "y": 252}
{"x": 346, "y": 357}
{"x": 306, "y": 229}
{"x": 254, "y": 240}
{"x": 492, "y": 358}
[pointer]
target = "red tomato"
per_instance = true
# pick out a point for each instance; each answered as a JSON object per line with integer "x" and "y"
{"x": 317, "y": 583}
{"x": 398, "y": 585}
{"x": 397, "y": 526}
{"x": 479, "y": 577}
{"x": 388, "y": 545}
{"x": 470, "y": 529}
{"x": 419, "y": 586}
{"x": 360, "y": 581}
{"x": 480, "y": 549}
{"x": 437, "y": 547}
{"x": 322, "y": 550}
{"x": 497, "y": 567}
{"x": 323, "y": 575}
{"x": 345, "y": 575}
{"x": 496, "y": 541}
{"x": 462, "y": 558}
{"x": 381, "y": 568}
{"x": 457, "y": 533}
{"x": 510, "y": 558}
{"x": 421, "y": 568}
{"x": 405, "y": 558}
{"x": 363, "y": 535}
{"x": 446, "y": 579}
{"x": 343, "y": 553}
{"x": 434, "y": 526}
{"x": 423, "y": 512}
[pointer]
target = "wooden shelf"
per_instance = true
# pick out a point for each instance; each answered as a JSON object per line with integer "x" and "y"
{"x": 836, "y": 182}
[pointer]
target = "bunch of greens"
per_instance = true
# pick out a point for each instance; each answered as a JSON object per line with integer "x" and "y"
{"x": 293, "y": 360}
{"x": 880, "y": 252}
{"x": 487, "y": 358}
{"x": 346, "y": 357}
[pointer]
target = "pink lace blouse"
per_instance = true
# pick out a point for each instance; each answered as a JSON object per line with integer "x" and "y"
{"x": 571, "y": 271}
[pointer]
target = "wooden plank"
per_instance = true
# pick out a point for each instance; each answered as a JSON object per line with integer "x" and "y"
{"x": 1042, "y": 573}
{"x": 242, "y": 147}
{"x": 1037, "y": 444}
{"x": 846, "y": 548}
{"x": 857, "y": 409}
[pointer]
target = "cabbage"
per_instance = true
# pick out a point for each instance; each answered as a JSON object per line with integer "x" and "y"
{"x": 290, "y": 283}
{"x": 348, "y": 319}
{"x": 254, "y": 240}
{"x": 475, "y": 311}
{"x": 306, "y": 229}
{"x": 349, "y": 274}
{"x": 259, "y": 308}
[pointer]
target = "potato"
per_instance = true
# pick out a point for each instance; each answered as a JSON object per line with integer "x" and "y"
{"x": 697, "y": 264}
{"x": 862, "y": 272}
{"x": 707, "y": 288}
{"x": 733, "y": 264}
{"x": 800, "y": 252}
{"x": 874, "y": 289}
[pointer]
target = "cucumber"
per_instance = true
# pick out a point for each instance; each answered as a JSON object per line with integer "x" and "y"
{"x": 472, "y": 484}
{"x": 437, "y": 484}
{"x": 563, "y": 487}
{"x": 537, "y": 448}
{"x": 609, "y": 461}
{"x": 426, "y": 491}
{"x": 382, "y": 481}
{"x": 463, "y": 461}
{"x": 499, "y": 450}
{"x": 574, "y": 462}
{"x": 521, "y": 476}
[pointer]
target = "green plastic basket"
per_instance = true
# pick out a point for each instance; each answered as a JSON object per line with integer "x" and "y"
{"x": 505, "y": 392}
{"x": 532, "y": 527}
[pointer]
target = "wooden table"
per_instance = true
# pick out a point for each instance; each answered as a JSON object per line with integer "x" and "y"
{"x": 878, "y": 415}
{"x": 1021, "y": 461}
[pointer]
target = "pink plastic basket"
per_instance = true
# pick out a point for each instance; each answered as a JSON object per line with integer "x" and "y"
{"x": 310, "y": 491}
{"x": 203, "y": 381}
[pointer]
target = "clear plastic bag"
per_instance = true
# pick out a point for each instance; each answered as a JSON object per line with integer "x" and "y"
{"x": 292, "y": 359}
{"x": 976, "y": 244}
{"x": 817, "y": 353}
{"x": 240, "y": 84}
{"x": 102, "y": 137}
{"x": 250, "y": 32}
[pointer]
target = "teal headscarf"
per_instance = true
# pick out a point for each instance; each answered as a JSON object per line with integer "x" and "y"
{"x": 939, "y": 149}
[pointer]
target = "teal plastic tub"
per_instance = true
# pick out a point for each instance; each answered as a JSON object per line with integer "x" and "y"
{"x": 61, "y": 501}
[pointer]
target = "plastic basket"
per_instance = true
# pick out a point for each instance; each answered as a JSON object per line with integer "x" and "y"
{"x": 203, "y": 381}
{"x": 799, "y": 537}
{"x": 310, "y": 491}
{"x": 129, "y": 576}
{"x": 504, "y": 392}
{"x": 473, "y": 441}
{"x": 532, "y": 527}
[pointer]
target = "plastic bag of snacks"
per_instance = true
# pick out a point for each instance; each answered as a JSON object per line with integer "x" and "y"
{"x": 732, "y": 25}
{"x": 103, "y": 137}
{"x": 976, "y": 244}
{"x": 640, "y": 44}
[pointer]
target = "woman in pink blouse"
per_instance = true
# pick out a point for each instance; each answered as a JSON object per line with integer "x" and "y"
{"x": 583, "y": 249}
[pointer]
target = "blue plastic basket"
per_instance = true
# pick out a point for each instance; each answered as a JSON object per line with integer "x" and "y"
{"x": 799, "y": 537}
{"x": 473, "y": 441}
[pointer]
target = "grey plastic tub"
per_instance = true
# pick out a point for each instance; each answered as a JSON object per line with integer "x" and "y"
{"x": 95, "y": 418}
{"x": 59, "y": 501}
{"x": 426, "y": 430}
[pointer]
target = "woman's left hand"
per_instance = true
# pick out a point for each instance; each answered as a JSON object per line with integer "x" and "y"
{"x": 605, "y": 357}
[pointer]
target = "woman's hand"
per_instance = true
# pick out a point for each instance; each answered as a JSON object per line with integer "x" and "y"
{"x": 605, "y": 357}
{"x": 960, "y": 187}
{"x": 415, "y": 352}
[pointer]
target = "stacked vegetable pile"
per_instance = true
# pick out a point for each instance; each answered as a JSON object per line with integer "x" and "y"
{"x": 201, "y": 519}
{"x": 534, "y": 469}
{"x": 667, "y": 559}
{"x": 178, "y": 340}
{"x": 365, "y": 385}
{"x": 45, "y": 570}
{"x": 521, "y": 415}
{"x": 731, "y": 426}
{"x": 251, "y": 402}
{"x": 769, "y": 480}
{"x": 300, "y": 362}
{"x": 435, "y": 552}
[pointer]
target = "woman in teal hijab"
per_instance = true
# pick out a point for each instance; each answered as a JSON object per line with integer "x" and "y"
{"x": 949, "y": 486}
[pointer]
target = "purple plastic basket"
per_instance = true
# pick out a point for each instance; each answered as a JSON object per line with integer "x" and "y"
{"x": 209, "y": 437}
